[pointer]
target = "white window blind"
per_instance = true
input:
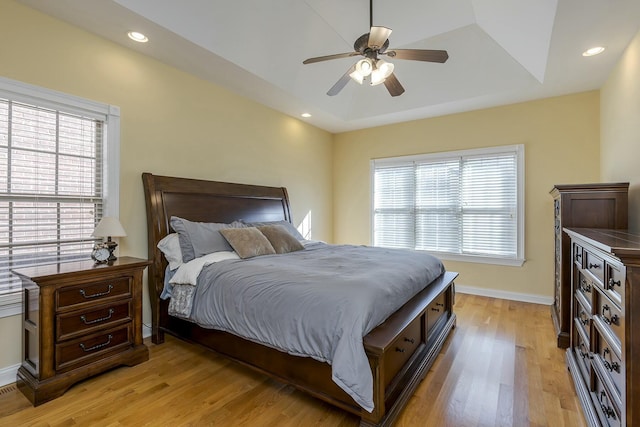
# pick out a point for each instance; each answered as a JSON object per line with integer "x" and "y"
{"x": 464, "y": 205}
{"x": 52, "y": 182}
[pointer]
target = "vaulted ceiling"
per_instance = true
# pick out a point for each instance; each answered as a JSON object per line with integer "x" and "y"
{"x": 500, "y": 51}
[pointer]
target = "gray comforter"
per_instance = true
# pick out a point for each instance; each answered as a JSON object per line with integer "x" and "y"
{"x": 318, "y": 302}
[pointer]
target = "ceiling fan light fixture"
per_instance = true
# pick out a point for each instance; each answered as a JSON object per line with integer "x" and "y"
{"x": 382, "y": 70}
{"x": 357, "y": 77}
{"x": 364, "y": 67}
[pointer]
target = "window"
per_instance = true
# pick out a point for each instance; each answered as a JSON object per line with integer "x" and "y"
{"x": 57, "y": 179}
{"x": 462, "y": 205}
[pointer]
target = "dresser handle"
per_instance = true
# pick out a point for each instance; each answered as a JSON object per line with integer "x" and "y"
{"x": 435, "y": 309}
{"x": 584, "y": 286}
{"x": 95, "y": 347}
{"x": 594, "y": 265}
{"x": 400, "y": 350}
{"x": 99, "y": 294}
{"x": 614, "y": 320}
{"x": 584, "y": 321}
{"x": 611, "y": 366}
{"x": 613, "y": 282}
{"x": 606, "y": 409}
{"x": 409, "y": 340}
{"x": 102, "y": 319}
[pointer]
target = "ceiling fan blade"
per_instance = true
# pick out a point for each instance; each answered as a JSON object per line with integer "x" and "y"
{"x": 328, "y": 57}
{"x": 393, "y": 85}
{"x": 419, "y": 55}
{"x": 377, "y": 37}
{"x": 342, "y": 82}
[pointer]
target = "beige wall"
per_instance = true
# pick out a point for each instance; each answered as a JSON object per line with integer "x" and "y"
{"x": 561, "y": 139}
{"x": 620, "y": 128}
{"x": 172, "y": 124}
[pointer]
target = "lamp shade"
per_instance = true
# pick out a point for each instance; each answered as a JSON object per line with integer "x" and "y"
{"x": 109, "y": 226}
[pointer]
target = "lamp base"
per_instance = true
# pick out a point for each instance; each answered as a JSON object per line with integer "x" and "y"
{"x": 111, "y": 245}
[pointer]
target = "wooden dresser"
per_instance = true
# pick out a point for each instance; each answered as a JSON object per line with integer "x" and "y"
{"x": 79, "y": 319}
{"x": 604, "y": 352}
{"x": 585, "y": 206}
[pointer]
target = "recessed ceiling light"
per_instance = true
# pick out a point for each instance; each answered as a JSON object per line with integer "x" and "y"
{"x": 305, "y": 115}
{"x": 138, "y": 37}
{"x": 593, "y": 51}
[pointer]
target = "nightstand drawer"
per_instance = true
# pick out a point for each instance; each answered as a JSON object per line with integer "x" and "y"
{"x": 86, "y": 349}
{"x": 76, "y": 323}
{"x": 93, "y": 293}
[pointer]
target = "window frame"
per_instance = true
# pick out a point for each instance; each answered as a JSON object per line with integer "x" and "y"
{"x": 11, "y": 304}
{"x": 518, "y": 150}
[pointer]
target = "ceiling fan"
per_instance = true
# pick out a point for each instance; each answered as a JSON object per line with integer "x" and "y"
{"x": 372, "y": 68}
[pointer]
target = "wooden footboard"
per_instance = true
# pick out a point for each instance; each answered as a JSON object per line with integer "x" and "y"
{"x": 400, "y": 350}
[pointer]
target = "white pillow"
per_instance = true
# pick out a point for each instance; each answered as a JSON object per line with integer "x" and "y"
{"x": 170, "y": 247}
{"x": 188, "y": 272}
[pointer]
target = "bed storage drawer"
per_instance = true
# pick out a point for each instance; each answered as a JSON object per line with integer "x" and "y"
{"x": 436, "y": 312}
{"x": 402, "y": 348}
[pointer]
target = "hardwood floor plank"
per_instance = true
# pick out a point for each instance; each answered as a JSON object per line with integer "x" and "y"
{"x": 499, "y": 367}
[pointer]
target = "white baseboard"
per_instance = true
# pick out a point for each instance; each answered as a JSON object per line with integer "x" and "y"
{"x": 8, "y": 375}
{"x": 513, "y": 296}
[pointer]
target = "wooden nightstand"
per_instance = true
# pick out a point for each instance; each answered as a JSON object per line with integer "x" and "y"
{"x": 79, "y": 319}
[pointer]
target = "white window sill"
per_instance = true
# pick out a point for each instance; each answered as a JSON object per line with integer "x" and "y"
{"x": 511, "y": 262}
{"x": 11, "y": 304}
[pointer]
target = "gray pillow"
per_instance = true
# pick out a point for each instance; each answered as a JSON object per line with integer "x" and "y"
{"x": 201, "y": 238}
{"x": 248, "y": 242}
{"x": 286, "y": 224}
{"x": 281, "y": 240}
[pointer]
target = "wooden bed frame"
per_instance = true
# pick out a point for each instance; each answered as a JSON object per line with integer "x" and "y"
{"x": 400, "y": 350}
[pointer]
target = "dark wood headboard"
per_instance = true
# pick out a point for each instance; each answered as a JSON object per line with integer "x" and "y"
{"x": 202, "y": 201}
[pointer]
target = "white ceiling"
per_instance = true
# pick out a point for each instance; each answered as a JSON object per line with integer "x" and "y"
{"x": 500, "y": 51}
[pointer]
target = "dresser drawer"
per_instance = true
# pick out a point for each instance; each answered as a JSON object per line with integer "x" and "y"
{"x": 436, "y": 311}
{"x": 585, "y": 288}
{"x": 614, "y": 284}
{"x": 610, "y": 317}
{"x": 86, "y": 349}
{"x": 582, "y": 315}
{"x": 92, "y": 293}
{"x": 581, "y": 351}
{"x": 594, "y": 265}
{"x": 577, "y": 255}
{"x": 79, "y": 322}
{"x": 607, "y": 410}
{"x": 611, "y": 365}
{"x": 401, "y": 350}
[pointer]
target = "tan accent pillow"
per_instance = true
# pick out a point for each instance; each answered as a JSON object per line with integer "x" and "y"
{"x": 281, "y": 240}
{"x": 248, "y": 242}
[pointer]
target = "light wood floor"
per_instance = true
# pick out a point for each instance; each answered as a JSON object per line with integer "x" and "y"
{"x": 500, "y": 367}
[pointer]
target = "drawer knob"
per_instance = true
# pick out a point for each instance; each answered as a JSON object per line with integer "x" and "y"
{"x": 99, "y": 294}
{"x": 101, "y": 319}
{"x": 409, "y": 340}
{"x": 613, "y": 282}
{"x": 97, "y": 346}
{"x": 400, "y": 350}
{"x": 435, "y": 309}
{"x": 595, "y": 266}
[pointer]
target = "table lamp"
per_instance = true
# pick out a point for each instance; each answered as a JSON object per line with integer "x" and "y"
{"x": 109, "y": 227}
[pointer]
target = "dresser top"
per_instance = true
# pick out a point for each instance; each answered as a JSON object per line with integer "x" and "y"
{"x": 618, "y": 242}
{"x": 606, "y": 186}
{"x": 74, "y": 267}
